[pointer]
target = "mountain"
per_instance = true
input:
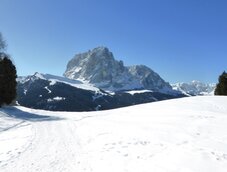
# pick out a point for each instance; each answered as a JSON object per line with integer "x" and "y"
{"x": 179, "y": 135}
{"x": 98, "y": 67}
{"x": 49, "y": 92}
{"x": 44, "y": 91}
{"x": 194, "y": 88}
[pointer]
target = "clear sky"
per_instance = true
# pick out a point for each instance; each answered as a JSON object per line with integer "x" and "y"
{"x": 182, "y": 40}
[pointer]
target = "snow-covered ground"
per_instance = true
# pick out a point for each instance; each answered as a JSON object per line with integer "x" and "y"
{"x": 179, "y": 135}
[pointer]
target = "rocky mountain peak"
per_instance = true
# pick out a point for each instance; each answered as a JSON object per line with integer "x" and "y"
{"x": 98, "y": 67}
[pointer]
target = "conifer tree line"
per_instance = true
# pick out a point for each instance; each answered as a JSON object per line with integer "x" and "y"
{"x": 8, "y": 76}
{"x": 221, "y": 88}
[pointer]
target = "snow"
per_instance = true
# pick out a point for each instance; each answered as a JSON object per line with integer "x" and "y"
{"x": 77, "y": 69}
{"x": 39, "y": 75}
{"x": 178, "y": 135}
{"x": 49, "y": 91}
{"x": 75, "y": 83}
{"x": 25, "y": 91}
{"x": 56, "y": 99}
{"x": 54, "y": 79}
{"x": 138, "y": 91}
{"x": 15, "y": 137}
{"x": 195, "y": 88}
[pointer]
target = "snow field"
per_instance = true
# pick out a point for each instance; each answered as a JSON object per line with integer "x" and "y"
{"x": 15, "y": 137}
{"x": 180, "y": 135}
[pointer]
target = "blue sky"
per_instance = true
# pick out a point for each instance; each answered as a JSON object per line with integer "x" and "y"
{"x": 182, "y": 40}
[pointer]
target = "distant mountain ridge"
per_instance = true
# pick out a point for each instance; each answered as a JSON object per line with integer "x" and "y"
{"x": 98, "y": 67}
{"x": 49, "y": 92}
{"x": 195, "y": 88}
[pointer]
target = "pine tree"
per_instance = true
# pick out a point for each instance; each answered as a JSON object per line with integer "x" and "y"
{"x": 7, "y": 80}
{"x": 221, "y": 88}
{"x": 2, "y": 43}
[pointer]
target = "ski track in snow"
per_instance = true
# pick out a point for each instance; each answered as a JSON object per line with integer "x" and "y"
{"x": 181, "y": 135}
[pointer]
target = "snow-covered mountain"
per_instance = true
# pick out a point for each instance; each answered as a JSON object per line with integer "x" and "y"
{"x": 49, "y": 92}
{"x": 194, "y": 88}
{"x": 187, "y": 135}
{"x": 53, "y": 79}
{"x": 98, "y": 67}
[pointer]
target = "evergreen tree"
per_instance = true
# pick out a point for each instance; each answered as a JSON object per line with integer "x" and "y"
{"x": 221, "y": 88}
{"x": 7, "y": 80}
{"x": 2, "y": 43}
{"x": 8, "y": 76}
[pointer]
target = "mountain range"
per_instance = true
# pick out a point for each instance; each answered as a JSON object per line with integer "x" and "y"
{"x": 49, "y": 92}
{"x": 195, "y": 88}
{"x": 94, "y": 80}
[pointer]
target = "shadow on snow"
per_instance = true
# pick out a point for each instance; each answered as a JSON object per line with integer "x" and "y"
{"x": 19, "y": 114}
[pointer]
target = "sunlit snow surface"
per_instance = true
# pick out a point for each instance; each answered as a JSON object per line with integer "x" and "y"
{"x": 180, "y": 135}
{"x": 58, "y": 79}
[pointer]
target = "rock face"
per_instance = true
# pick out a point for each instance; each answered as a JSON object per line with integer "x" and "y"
{"x": 99, "y": 68}
{"x": 194, "y": 88}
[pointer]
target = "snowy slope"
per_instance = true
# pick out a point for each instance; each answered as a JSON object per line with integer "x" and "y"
{"x": 53, "y": 79}
{"x": 179, "y": 135}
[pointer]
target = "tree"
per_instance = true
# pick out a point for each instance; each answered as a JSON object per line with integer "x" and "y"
{"x": 2, "y": 43}
{"x": 221, "y": 88}
{"x": 8, "y": 75}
